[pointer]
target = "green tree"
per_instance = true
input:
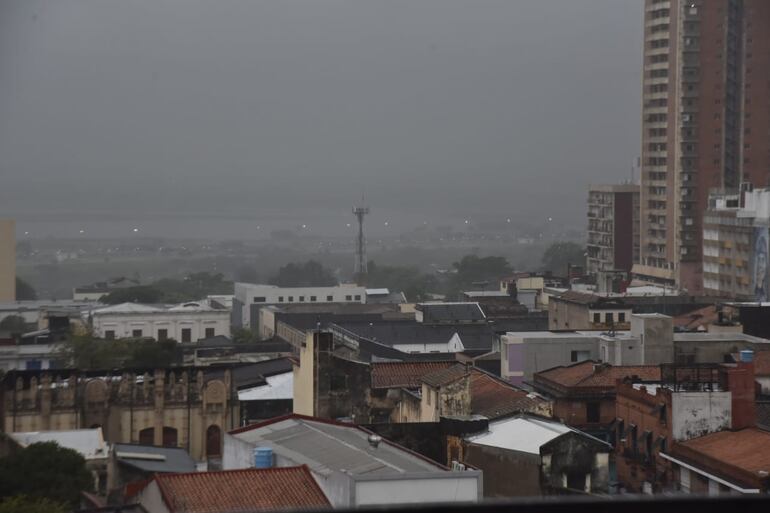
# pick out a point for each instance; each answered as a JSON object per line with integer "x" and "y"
{"x": 192, "y": 287}
{"x": 149, "y": 353}
{"x": 244, "y": 336}
{"x": 24, "y": 291}
{"x": 13, "y": 324}
{"x": 86, "y": 352}
{"x": 47, "y": 471}
{"x": 559, "y": 255}
{"x": 138, "y": 294}
{"x": 309, "y": 274}
{"x": 24, "y": 504}
{"x": 414, "y": 284}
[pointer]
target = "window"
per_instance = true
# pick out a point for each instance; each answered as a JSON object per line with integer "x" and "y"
{"x": 302, "y": 299}
{"x": 209, "y": 332}
{"x": 186, "y": 334}
{"x": 609, "y": 318}
{"x": 136, "y": 333}
{"x": 358, "y": 297}
{"x": 579, "y": 356}
{"x": 162, "y": 335}
{"x": 291, "y": 299}
{"x": 313, "y": 299}
{"x": 330, "y": 298}
{"x": 280, "y": 299}
{"x": 622, "y": 317}
{"x": 109, "y": 334}
{"x": 259, "y": 299}
{"x": 597, "y": 318}
{"x": 592, "y": 412}
{"x": 348, "y": 298}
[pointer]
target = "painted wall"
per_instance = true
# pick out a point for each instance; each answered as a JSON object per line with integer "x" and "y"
{"x": 447, "y": 487}
{"x": 123, "y": 325}
{"x": 695, "y": 414}
{"x": 7, "y": 260}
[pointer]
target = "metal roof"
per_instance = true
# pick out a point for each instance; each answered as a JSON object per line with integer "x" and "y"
{"x": 278, "y": 387}
{"x": 88, "y": 442}
{"x": 521, "y": 433}
{"x": 151, "y": 459}
{"x": 333, "y": 447}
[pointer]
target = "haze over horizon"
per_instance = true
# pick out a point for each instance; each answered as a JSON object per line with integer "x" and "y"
{"x": 438, "y": 110}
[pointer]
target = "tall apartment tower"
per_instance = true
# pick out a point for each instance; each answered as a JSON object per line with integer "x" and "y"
{"x": 7, "y": 260}
{"x": 613, "y": 228}
{"x": 705, "y": 121}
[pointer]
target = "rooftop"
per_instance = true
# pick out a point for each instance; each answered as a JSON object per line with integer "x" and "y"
{"x": 151, "y": 459}
{"x": 328, "y": 446}
{"x": 446, "y": 376}
{"x": 403, "y": 374}
{"x": 523, "y": 433}
{"x": 88, "y": 442}
{"x": 451, "y": 312}
{"x": 404, "y": 332}
{"x": 493, "y": 397}
{"x": 590, "y": 374}
{"x": 276, "y": 387}
{"x": 241, "y": 490}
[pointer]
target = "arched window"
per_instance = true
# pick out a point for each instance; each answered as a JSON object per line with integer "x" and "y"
{"x": 213, "y": 442}
{"x": 147, "y": 436}
{"x": 169, "y": 437}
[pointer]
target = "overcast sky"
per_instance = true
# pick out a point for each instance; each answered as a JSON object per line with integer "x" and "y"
{"x": 434, "y": 108}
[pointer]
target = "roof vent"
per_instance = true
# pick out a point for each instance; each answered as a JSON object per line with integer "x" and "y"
{"x": 374, "y": 440}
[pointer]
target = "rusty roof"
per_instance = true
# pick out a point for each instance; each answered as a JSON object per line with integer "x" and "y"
{"x": 446, "y": 376}
{"x": 493, "y": 398}
{"x": 762, "y": 363}
{"x": 404, "y": 374}
{"x": 737, "y": 455}
{"x": 590, "y": 374}
{"x": 242, "y": 490}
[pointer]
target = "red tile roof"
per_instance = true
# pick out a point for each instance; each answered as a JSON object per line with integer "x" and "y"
{"x": 446, "y": 376}
{"x": 589, "y": 374}
{"x": 241, "y": 490}
{"x": 762, "y": 363}
{"x": 493, "y": 398}
{"x": 404, "y": 374}
{"x": 735, "y": 455}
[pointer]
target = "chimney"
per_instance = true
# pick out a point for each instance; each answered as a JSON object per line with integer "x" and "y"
{"x": 739, "y": 382}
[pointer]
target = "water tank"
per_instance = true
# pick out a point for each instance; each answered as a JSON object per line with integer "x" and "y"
{"x": 263, "y": 457}
{"x": 747, "y": 355}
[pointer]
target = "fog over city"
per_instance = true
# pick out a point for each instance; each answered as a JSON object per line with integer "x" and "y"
{"x": 198, "y": 118}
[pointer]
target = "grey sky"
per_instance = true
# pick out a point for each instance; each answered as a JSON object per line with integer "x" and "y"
{"x": 435, "y": 108}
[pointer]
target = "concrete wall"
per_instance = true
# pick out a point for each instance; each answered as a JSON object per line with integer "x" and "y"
{"x": 304, "y": 388}
{"x": 7, "y": 260}
{"x": 445, "y": 487}
{"x": 506, "y": 473}
{"x": 575, "y": 455}
{"x": 151, "y": 499}
{"x": 656, "y": 335}
{"x": 149, "y": 324}
{"x": 522, "y": 356}
{"x": 696, "y": 414}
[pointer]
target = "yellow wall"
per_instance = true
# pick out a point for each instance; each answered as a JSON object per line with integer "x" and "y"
{"x": 303, "y": 379}
{"x": 7, "y": 260}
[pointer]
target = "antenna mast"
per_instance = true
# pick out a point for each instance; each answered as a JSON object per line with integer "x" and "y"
{"x": 360, "y": 265}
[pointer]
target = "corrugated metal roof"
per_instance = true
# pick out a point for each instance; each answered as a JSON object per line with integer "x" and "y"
{"x": 88, "y": 442}
{"x": 151, "y": 459}
{"x": 326, "y": 447}
{"x": 278, "y": 387}
{"x": 523, "y": 434}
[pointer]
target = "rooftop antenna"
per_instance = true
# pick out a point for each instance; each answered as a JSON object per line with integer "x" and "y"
{"x": 360, "y": 264}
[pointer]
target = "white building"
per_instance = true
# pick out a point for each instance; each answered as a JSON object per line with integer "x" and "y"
{"x": 187, "y": 322}
{"x": 250, "y": 297}
{"x": 353, "y": 467}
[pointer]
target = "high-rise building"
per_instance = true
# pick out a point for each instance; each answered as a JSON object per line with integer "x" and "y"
{"x": 705, "y": 122}
{"x": 613, "y": 228}
{"x": 7, "y": 260}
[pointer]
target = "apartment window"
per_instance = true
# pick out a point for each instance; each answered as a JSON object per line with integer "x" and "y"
{"x": 260, "y": 299}
{"x": 592, "y": 412}
{"x": 622, "y": 317}
{"x": 609, "y": 318}
{"x": 209, "y": 332}
{"x": 330, "y": 298}
{"x": 109, "y": 334}
{"x": 291, "y": 299}
{"x": 280, "y": 299}
{"x": 358, "y": 297}
{"x": 597, "y": 318}
{"x": 302, "y": 299}
{"x": 313, "y": 299}
{"x": 136, "y": 333}
{"x": 162, "y": 335}
{"x": 348, "y": 298}
{"x": 186, "y": 334}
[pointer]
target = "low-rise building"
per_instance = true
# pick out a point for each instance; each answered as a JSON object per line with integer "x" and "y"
{"x": 131, "y": 464}
{"x": 353, "y": 466}
{"x": 186, "y": 322}
{"x": 527, "y": 456}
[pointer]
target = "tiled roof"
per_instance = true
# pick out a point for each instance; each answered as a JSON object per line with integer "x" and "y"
{"x": 762, "y": 363}
{"x": 697, "y": 318}
{"x": 582, "y": 298}
{"x": 404, "y": 374}
{"x": 242, "y": 490}
{"x": 739, "y": 455}
{"x": 445, "y": 376}
{"x": 593, "y": 375}
{"x": 493, "y": 398}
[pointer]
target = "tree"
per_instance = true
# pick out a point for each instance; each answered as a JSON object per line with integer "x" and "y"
{"x": 559, "y": 255}
{"x": 24, "y": 504}
{"x": 45, "y": 470}
{"x": 244, "y": 336}
{"x": 149, "y": 353}
{"x": 13, "y": 324}
{"x": 414, "y": 284}
{"x": 24, "y": 291}
{"x": 192, "y": 287}
{"x": 138, "y": 294}
{"x": 309, "y": 274}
